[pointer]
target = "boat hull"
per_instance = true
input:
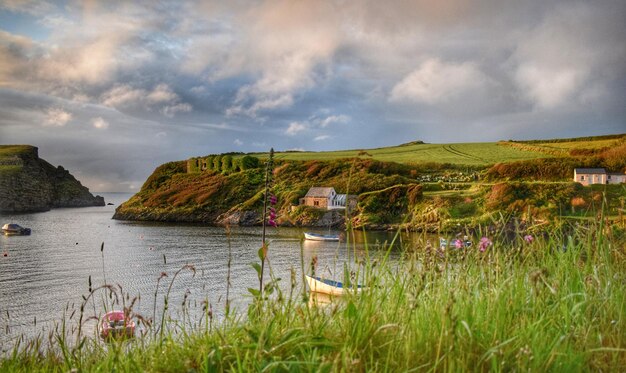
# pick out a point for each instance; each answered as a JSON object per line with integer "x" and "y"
{"x": 330, "y": 287}
{"x": 320, "y": 237}
{"x": 15, "y": 230}
{"x": 317, "y": 286}
{"x": 114, "y": 325}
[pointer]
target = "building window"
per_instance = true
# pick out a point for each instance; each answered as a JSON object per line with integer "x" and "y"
{"x": 582, "y": 178}
{"x": 316, "y": 203}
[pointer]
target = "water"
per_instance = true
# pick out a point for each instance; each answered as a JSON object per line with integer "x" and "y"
{"x": 48, "y": 272}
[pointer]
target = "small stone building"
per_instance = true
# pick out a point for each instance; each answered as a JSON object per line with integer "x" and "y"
{"x": 327, "y": 198}
{"x": 320, "y": 197}
{"x": 588, "y": 176}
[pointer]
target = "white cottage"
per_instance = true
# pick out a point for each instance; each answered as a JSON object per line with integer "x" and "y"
{"x": 588, "y": 176}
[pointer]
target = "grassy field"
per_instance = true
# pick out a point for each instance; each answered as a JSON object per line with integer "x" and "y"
{"x": 11, "y": 150}
{"x": 552, "y": 302}
{"x": 595, "y": 144}
{"x": 473, "y": 154}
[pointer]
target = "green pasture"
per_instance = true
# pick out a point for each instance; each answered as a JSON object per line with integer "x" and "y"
{"x": 596, "y": 144}
{"x": 475, "y": 154}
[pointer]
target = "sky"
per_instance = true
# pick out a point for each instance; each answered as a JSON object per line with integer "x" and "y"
{"x": 112, "y": 89}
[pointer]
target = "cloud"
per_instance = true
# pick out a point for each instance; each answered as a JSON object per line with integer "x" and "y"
{"x": 32, "y": 7}
{"x": 125, "y": 96}
{"x": 57, "y": 117}
{"x": 99, "y": 123}
{"x": 435, "y": 81}
{"x": 334, "y": 119}
{"x": 280, "y": 44}
{"x": 161, "y": 93}
{"x": 321, "y": 138}
{"x": 570, "y": 56}
{"x": 295, "y": 128}
{"x": 171, "y": 110}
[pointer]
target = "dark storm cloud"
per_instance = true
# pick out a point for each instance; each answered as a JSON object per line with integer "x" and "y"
{"x": 116, "y": 88}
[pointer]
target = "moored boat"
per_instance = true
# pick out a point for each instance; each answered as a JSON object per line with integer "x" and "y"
{"x": 326, "y": 286}
{"x": 320, "y": 237}
{"x": 12, "y": 229}
{"x": 114, "y": 324}
{"x": 454, "y": 243}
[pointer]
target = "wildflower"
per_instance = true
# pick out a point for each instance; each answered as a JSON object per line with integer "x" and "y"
{"x": 458, "y": 244}
{"x": 529, "y": 238}
{"x": 273, "y": 199}
{"x": 484, "y": 243}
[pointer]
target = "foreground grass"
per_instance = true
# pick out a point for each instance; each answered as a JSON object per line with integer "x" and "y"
{"x": 555, "y": 304}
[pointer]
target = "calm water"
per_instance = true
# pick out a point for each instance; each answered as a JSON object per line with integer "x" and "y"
{"x": 48, "y": 271}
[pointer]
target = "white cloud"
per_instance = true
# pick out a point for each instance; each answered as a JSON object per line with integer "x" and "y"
{"x": 321, "y": 138}
{"x": 238, "y": 142}
{"x": 99, "y": 123}
{"x": 121, "y": 95}
{"x": 125, "y": 96}
{"x": 171, "y": 110}
{"x": 57, "y": 117}
{"x": 295, "y": 127}
{"x": 334, "y": 119}
{"x": 435, "y": 82}
{"x": 161, "y": 93}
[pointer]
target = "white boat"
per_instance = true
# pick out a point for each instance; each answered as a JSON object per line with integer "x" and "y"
{"x": 320, "y": 237}
{"x": 15, "y": 230}
{"x": 326, "y": 286}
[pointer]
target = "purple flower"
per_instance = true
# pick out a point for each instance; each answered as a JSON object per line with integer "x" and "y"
{"x": 484, "y": 243}
{"x": 272, "y": 222}
{"x": 273, "y": 199}
{"x": 529, "y": 238}
{"x": 458, "y": 244}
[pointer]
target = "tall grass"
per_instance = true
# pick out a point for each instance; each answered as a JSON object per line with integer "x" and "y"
{"x": 553, "y": 303}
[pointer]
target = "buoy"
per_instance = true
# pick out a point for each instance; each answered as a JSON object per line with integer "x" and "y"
{"x": 5, "y": 254}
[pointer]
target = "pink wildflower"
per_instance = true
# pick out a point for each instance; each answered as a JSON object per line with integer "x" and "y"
{"x": 484, "y": 243}
{"x": 458, "y": 244}
{"x": 529, "y": 238}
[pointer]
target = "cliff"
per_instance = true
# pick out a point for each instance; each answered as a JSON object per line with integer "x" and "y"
{"x": 29, "y": 183}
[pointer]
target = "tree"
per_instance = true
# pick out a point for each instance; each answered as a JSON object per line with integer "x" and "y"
{"x": 248, "y": 162}
{"x": 227, "y": 163}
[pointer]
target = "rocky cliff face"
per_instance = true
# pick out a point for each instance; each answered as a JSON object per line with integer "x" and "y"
{"x": 28, "y": 183}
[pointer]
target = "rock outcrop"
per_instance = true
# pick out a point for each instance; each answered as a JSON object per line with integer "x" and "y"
{"x": 29, "y": 183}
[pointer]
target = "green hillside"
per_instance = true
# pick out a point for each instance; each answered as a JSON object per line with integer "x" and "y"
{"x": 474, "y": 154}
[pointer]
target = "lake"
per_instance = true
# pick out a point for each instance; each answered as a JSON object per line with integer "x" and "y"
{"x": 47, "y": 273}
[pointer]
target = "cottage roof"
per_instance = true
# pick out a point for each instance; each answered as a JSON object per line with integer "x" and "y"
{"x": 590, "y": 171}
{"x": 320, "y": 192}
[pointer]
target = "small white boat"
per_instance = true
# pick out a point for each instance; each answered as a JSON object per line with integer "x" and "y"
{"x": 326, "y": 286}
{"x": 15, "y": 230}
{"x": 320, "y": 237}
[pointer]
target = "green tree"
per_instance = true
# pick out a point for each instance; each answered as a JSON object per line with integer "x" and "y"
{"x": 227, "y": 163}
{"x": 248, "y": 162}
{"x": 217, "y": 162}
